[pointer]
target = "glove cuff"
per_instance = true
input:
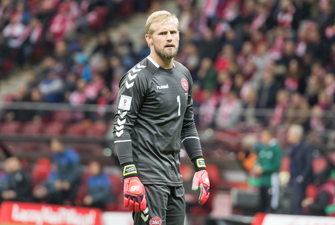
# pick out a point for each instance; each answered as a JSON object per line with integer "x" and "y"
{"x": 199, "y": 164}
{"x": 129, "y": 170}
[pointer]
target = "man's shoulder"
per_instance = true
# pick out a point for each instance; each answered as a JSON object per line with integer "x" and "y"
{"x": 144, "y": 70}
{"x": 181, "y": 67}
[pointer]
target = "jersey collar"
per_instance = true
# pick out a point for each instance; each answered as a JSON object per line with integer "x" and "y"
{"x": 156, "y": 64}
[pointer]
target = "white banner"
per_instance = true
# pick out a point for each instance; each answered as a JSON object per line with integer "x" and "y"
{"x": 297, "y": 220}
{"x": 117, "y": 218}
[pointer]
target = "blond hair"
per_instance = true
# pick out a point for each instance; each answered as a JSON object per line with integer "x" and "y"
{"x": 159, "y": 16}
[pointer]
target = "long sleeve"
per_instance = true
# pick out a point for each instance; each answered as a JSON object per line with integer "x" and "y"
{"x": 189, "y": 134}
{"x": 318, "y": 207}
{"x": 129, "y": 100}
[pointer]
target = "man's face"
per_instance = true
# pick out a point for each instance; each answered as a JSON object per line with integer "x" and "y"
{"x": 265, "y": 137}
{"x": 56, "y": 146}
{"x": 165, "y": 38}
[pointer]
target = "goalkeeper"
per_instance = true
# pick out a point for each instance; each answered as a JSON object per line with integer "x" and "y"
{"x": 154, "y": 113}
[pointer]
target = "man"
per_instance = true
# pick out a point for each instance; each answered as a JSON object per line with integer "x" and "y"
{"x": 18, "y": 182}
{"x": 323, "y": 202}
{"x": 154, "y": 112}
{"x": 68, "y": 175}
{"x": 99, "y": 187}
{"x": 301, "y": 166}
{"x": 267, "y": 167}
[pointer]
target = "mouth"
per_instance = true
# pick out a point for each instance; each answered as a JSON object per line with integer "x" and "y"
{"x": 169, "y": 46}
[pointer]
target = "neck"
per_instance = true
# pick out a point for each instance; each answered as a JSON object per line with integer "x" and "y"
{"x": 164, "y": 63}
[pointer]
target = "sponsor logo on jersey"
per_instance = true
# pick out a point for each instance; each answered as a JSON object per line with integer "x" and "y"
{"x": 125, "y": 102}
{"x": 184, "y": 84}
{"x": 163, "y": 86}
{"x": 156, "y": 220}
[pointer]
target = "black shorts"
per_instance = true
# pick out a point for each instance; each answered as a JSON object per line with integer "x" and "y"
{"x": 166, "y": 206}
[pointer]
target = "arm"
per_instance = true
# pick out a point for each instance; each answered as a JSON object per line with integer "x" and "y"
{"x": 189, "y": 134}
{"x": 191, "y": 141}
{"x": 129, "y": 101}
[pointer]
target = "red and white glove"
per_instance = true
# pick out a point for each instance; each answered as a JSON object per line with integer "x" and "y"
{"x": 201, "y": 180}
{"x": 134, "y": 192}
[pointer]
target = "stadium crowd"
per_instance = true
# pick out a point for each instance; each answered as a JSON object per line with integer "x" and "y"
{"x": 244, "y": 56}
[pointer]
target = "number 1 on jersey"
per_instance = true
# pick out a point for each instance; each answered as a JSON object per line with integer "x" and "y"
{"x": 178, "y": 100}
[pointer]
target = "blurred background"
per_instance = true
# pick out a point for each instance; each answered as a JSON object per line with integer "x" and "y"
{"x": 264, "y": 93}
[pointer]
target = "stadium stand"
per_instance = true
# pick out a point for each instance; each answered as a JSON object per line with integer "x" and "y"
{"x": 255, "y": 64}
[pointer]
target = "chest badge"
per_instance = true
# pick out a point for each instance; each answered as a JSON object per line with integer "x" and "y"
{"x": 184, "y": 84}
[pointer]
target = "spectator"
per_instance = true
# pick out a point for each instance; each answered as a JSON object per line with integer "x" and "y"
{"x": 267, "y": 168}
{"x": 249, "y": 117}
{"x": 104, "y": 45}
{"x": 229, "y": 111}
{"x": 297, "y": 111}
{"x": 14, "y": 29}
{"x": 301, "y": 166}
{"x": 268, "y": 90}
{"x": 207, "y": 74}
{"x": 82, "y": 67}
{"x": 207, "y": 108}
{"x": 18, "y": 182}
{"x": 52, "y": 87}
{"x": 312, "y": 90}
{"x": 68, "y": 170}
{"x": 48, "y": 191}
{"x": 277, "y": 117}
{"x": 208, "y": 47}
{"x": 324, "y": 196}
{"x": 248, "y": 156}
{"x": 99, "y": 187}
{"x": 62, "y": 56}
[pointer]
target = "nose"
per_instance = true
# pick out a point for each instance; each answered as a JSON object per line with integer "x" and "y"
{"x": 169, "y": 37}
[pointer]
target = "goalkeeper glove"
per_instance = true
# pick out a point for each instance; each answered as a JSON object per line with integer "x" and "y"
{"x": 201, "y": 180}
{"x": 134, "y": 192}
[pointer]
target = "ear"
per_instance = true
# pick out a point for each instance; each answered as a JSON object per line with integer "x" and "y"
{"x": 148, "y": 38}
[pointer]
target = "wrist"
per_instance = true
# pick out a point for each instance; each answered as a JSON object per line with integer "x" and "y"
{"x": 199, "y": 163}
{"x": 129, "y": 170}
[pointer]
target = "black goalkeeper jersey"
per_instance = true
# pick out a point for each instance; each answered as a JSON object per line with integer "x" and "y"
{"x": 154, "y": 112}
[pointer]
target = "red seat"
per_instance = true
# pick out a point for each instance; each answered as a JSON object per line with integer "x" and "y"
{"x": 62, "y": 116}
{"x": 76, "y": 130}
{"x": 82, "y": 191}
{"x": 98, "y": 129}
{"x": 32, "y": 128}
{"x": 10, "y": 128}
{"x": 41, "y": 171}
{"x": 54, "y": 128}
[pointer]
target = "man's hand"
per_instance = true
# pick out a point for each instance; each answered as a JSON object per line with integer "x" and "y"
{"x": 201, "y": 180}
{"x": 58, "y": 184}
{"x": 66, "y": 185}
{"x": 306, "y": 202}
{"x": 258, "y": 170}
{"x": 134, "y": 194}
{"x": 88, "y": 200}
{"x": 7, "y": 195}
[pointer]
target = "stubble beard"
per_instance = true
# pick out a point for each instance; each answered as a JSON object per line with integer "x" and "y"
{"x": 163, "y": 54}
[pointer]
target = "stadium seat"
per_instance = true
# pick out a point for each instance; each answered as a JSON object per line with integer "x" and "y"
{"x": 98, "y": 129}
{"x": 54, "y": 128}
{"x": 41, "y": 171}
{"x": 10, "y": 128}
{"x": 82, "y": 191}
{"x": 62, "y": 116}
{"x": 76, "y": 130}
{"x": 32, "y": 128}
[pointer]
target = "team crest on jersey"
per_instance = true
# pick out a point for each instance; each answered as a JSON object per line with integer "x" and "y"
{"x": 156, "y": 220}
{"x": 184, "y": 84}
